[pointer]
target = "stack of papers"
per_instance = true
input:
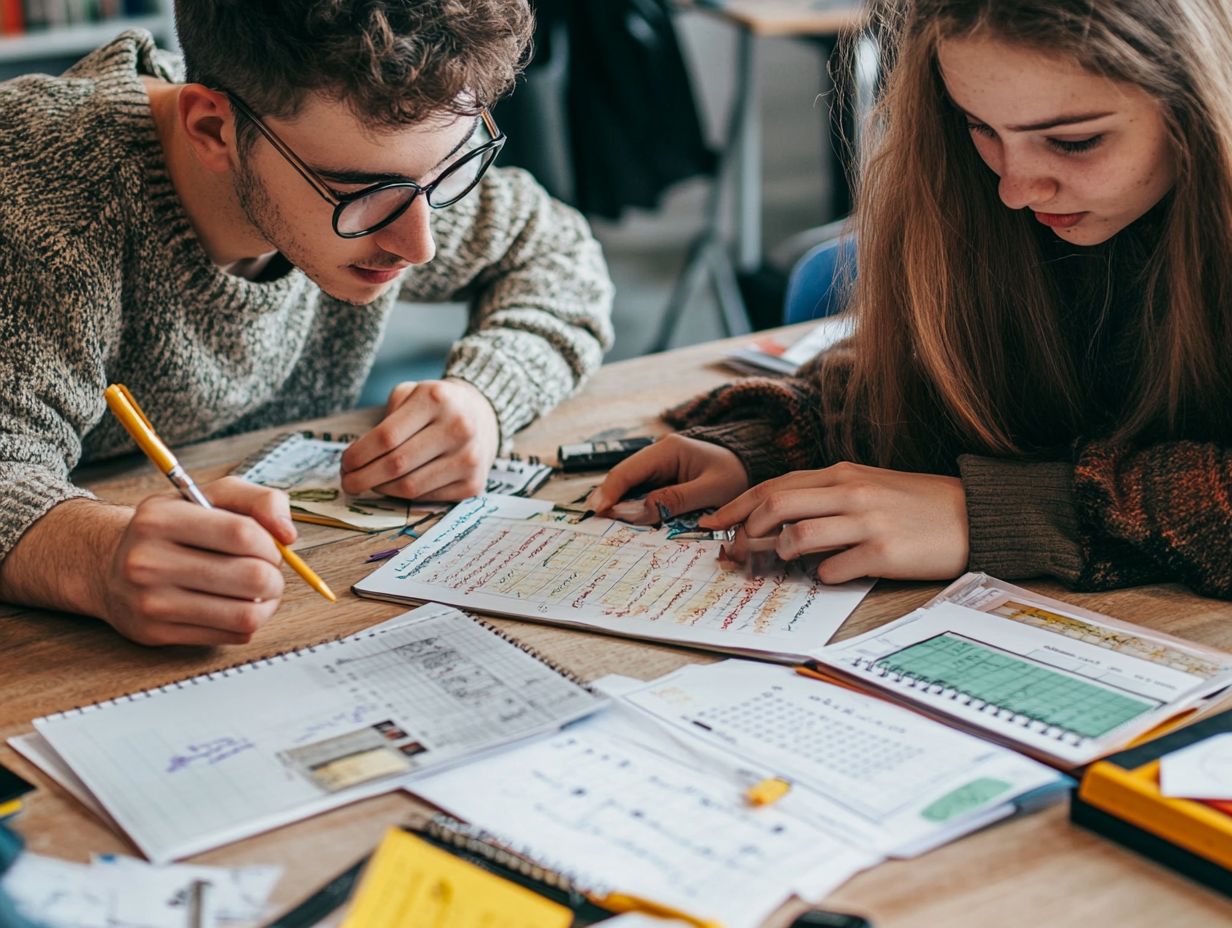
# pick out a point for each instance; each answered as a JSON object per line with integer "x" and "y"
{"x": 648, "y": 798}
{"x": 771, "y": 355}
{"x": 881, "y": 776}
{"x": 122, "y": 892}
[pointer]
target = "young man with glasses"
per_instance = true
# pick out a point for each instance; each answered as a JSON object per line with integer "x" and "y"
{"x": 227, "y": 237}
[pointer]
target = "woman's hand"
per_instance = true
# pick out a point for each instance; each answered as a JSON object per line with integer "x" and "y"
{"x": 878, "y": 522}
{"x": 689, "y": 474}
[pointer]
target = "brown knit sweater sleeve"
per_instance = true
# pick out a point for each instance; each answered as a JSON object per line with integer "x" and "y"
{"x": 1114, "y": 516}
{"x": 1021, "y": 520}
{"x": 1162, "y": 512}
{"x": 773, "y": 425}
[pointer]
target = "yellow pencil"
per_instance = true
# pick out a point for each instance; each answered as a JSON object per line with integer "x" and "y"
{"x": 121, "y": 402}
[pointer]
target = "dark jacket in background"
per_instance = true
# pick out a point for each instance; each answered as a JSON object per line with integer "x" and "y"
{"x": 605, "y": 116}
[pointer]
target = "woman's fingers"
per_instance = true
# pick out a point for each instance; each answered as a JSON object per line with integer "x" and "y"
{"x": 852, "y": 564}
{"x": 688, "y": 474}
{"x": 819, "y": 536}
{"x": 796, "y": 540}
{"x": 656, "y": 464}
{"x": 785, "y": 506}
{"x": 739, "y": 508}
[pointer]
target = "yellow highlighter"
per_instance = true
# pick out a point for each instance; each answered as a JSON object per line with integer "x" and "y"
{"x": 121, "y": 402}
{"x": 767, "y": 792}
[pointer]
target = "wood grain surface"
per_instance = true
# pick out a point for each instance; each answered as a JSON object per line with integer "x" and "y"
{"x": 1038, "y": 870}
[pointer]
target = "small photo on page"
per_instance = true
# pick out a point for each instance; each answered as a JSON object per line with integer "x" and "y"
{"x": 343, "y": 761}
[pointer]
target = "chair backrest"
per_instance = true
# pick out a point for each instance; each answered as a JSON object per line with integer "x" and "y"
{"x": 817, "y": 284}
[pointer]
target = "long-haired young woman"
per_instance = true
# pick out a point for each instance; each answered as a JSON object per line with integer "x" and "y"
{"x": 1040, "y": 378}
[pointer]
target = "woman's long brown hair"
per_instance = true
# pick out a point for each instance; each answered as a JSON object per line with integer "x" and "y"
{"x": 959, "y": 341}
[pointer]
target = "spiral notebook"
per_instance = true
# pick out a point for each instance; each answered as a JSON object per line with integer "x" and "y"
{"x": 1062, "y": 683}
{"x": 208, "y": 760}
{"x": 413, "y": 880}
{"x": 307, "y": 466}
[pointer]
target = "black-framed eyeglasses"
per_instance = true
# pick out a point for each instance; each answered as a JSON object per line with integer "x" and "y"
{"x": 373, "y": 208}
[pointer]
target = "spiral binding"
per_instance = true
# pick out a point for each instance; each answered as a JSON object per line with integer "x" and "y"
{"x": 941, "y": 688}
{"x": 490, "y": 847}
{"x": 535, "y": 653}
{"x": 270, "y": 659}
{"x": 267, "y": 660}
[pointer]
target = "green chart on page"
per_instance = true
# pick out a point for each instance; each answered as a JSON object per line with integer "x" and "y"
{"x": 1020, "y": 685}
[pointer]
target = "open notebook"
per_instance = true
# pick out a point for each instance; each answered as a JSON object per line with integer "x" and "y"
{"x": 1059, "y": 682}
{"x": 307, "y": 465}
{"x": 211, "y": 759}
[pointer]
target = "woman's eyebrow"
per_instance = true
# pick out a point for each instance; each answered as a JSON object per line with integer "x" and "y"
{"x": 345, "y": 176}
{"x": 1053, "y": 122}
{"x": 1058, "y": 121}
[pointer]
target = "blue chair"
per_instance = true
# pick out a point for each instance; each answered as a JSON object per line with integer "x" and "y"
{"x": 817, "y": 285}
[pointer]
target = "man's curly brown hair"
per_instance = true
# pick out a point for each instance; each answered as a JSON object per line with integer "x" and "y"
{"x": 394, "y": 62}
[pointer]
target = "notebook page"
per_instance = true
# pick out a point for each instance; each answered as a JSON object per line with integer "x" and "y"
{"x": 521, "y": 557}
{"x": 211, "y": 759}
{"x": 618, "y": 816}
{"x": 880, "y": 773}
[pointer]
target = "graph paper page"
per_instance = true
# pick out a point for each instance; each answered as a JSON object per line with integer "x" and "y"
{"x": 876, "y": 772}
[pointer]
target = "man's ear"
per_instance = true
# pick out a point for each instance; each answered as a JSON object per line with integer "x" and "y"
{"x": 209, "y": 126}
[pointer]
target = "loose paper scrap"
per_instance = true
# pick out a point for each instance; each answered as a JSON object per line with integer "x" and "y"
{"x": 1200, "y": 771}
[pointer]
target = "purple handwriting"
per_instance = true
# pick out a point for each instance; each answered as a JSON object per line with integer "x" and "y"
{"x": 209, "y": 753}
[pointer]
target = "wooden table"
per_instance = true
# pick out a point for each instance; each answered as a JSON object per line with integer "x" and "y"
{"x": 1038, "y": 870}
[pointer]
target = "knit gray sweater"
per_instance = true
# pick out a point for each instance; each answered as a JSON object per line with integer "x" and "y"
{"x": 102, "y": 279}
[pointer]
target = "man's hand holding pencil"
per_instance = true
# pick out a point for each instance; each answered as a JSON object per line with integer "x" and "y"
{"x": 186, "y": 575}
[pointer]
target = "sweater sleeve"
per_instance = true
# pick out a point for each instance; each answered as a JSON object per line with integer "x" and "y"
{"x": 539, "y": 293}
{"x": 51, "y": 364}
{"x": 1156, "y": 513}
{"x": 1116, "y": 516}
{"x": 773, "y": 425}
{"x": 1021, "y": 520}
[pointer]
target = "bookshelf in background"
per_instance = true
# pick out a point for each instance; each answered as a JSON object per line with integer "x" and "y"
{"x": 35, "y": 31}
